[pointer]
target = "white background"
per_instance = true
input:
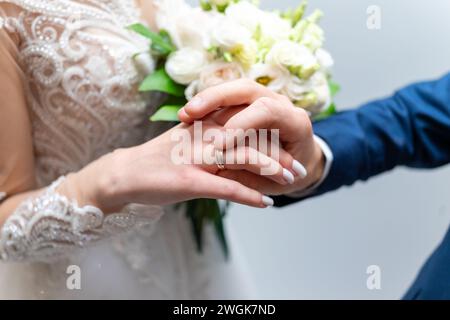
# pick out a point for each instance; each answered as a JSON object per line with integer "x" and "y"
{"x": 322, "y": 247}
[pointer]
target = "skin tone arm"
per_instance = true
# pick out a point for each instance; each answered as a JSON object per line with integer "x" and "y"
{"x": 16, "y": 157}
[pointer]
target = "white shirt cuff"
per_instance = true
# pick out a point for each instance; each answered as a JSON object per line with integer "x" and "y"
{"x": 328, "y": 154}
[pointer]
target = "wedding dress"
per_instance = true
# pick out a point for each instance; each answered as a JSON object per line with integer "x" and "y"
{"x": 79, "y": 79}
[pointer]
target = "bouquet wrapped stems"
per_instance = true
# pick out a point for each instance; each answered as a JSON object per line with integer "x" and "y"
{"x": 203, "y": 211}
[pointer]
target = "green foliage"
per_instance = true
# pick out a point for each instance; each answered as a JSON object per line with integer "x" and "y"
{"x": 160, "y": 81}
{"x": 166, "y": 113}
{"x": 202, "y": 211}
{"x": 161, "y": 42}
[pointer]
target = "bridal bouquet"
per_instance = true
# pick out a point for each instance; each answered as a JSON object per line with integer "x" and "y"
{"x": 223, "y": 40}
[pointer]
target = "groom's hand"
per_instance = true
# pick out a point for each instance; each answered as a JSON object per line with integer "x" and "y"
{"x": 244, "y": 104}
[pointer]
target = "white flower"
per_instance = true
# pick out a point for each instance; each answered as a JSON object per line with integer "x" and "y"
{"x": 319, "y": 83}
{"x": 313, "y": 94}
{"x": 169, "y": 11}
{"x": 185, "y": 65}
{"x": 229, "y": 35}
{"x": 245, "y": 14}
{"x": 313, "y": 37}
{"x": 214, "y": 74}
{"x": 296, "y": 88}
{"x": 187, "y": 26}
{"x": 219, "y": 72}
{"x": 247, "y": 54}
{"x": 191, "y": 90}
{"x": 145, "y": 63}
{"x": 273, "y": 26}
{"x": 325, "y": 59}
{"x": 273, "y": 77}
{"x": 290, "y": 54}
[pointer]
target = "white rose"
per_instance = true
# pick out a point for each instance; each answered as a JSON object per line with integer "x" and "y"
{"x": 217, "y": 73}
{"x": 313, "y": 94}
{"x": 169, "y": 11}
{"x": 321, "y": 88}
{"x": 325, "y": 59}
{"x": 185, "y": 65}
{"x": 296, "y": 88}
{"x": 245, "y": 14}
{"x": 273, "y": 77}
{"x": 187, "y": 26}
{"x": 228, "y": 34}
{"x": 273, "y": 26}
{"x": 290, "y": 54}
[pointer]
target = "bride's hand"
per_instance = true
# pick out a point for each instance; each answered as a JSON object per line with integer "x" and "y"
{"x": 260, "y": 108}
{"x": 147, "y": 174}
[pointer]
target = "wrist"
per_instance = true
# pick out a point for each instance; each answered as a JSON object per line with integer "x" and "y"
{"x": 317, "y": 164}
{"x": 97, "y": 185}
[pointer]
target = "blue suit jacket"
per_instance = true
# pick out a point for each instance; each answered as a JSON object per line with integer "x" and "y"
{"x": 411, "y": 128}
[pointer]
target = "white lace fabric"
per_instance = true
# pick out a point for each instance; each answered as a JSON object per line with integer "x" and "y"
{"x": 83, "y": 101}
{"x": 50, "y": 226}
{"x": 82, "y": 80}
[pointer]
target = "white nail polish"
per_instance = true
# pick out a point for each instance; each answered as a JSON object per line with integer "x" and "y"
{"x": 299, "y": 169}
{"x": 267, "y": 201}
{"x": 288, "y": 176}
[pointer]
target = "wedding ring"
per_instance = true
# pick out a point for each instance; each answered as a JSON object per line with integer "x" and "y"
{"x": 220, "y": 162}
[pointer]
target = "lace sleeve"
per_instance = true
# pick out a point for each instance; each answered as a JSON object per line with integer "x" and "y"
{"x": 50, "y": 226}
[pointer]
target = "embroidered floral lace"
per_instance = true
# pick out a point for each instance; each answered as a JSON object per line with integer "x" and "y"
{"x": 82, "y": 95}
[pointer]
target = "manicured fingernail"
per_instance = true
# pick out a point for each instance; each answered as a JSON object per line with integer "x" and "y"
{"x": 288, "y": 176}
{"x": 268, "y": 202}
{"x": 299, "y": 169}
{"x": 196, "y": 102}
{"x": 182, "y": 113}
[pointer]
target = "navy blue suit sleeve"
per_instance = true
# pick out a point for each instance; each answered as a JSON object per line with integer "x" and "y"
{"x": 411, "y": 128}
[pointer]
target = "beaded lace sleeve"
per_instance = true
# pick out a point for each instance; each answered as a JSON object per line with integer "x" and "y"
{"x": 50, "y": 226}
{"x": 69, "y": 79}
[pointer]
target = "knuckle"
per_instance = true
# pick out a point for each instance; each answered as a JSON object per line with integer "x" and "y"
{"x": 301, "y": 112}
{"x": 285, "y": 100}
{"x": 301, "y": 115}
{"x": 267, "y": 105}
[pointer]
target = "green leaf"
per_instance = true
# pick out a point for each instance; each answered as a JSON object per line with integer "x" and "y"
{"x": 217, "y": 218}
{"x": 205, "y": 5}
{"x": 334, "y": 88}
{"x": 228, "y": 57}
{"x": 160, "y": 81}
{"x": 160, "y": 42}
{"x": 203, "y": 211}
{"x": 175, "y": 101}
{"x": 326, "y": 113}
{"x": 166, "y": 113}
{"x": 193, "y": 211}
